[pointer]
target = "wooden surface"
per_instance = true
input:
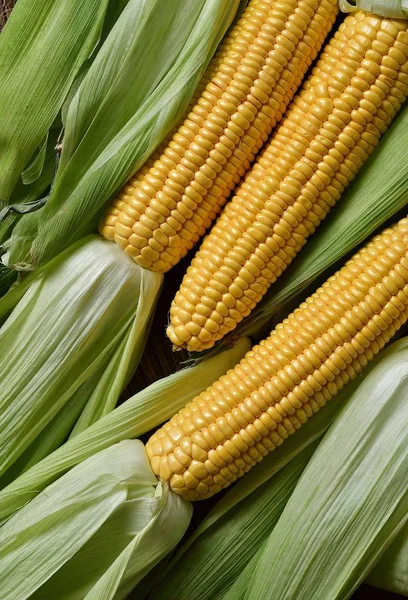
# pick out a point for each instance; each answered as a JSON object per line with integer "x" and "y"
{"x": 5, "y": 10}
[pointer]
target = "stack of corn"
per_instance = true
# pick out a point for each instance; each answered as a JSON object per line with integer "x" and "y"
{"x": 332, "y": 127}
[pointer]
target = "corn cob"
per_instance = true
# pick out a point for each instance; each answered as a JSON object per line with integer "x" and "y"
{"x": 333, "y": 126}
{"x": 160, "y": 214}
{"x": 290, "y": 375}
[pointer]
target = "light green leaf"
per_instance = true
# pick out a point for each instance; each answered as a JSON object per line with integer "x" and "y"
{"x": 396, "y": 9}
{"x": 34, "y": 169}
{"x": 42, "y": 48}
{"x": 69, "y": 539}
{"x": 30, "y": 196}
{"x": 77, "y": 329}
{"x": 391, "y": 571}
{"x": 351, "y": 500}
{"x": 136, "y": 416}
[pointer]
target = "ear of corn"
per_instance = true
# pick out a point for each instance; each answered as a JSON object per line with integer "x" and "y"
{"x": 94, "y": 533}
{"x": 219, "y": 558}
{"x": 335, "y": 123}
{"x": 351, "y": 500}
{"x": 138, "y": 415}
{"x": 42, "y": 48}
{"x": 120, "y": 114}
{"x": 305, "y": 361}
{"x": 73, "y": 334}
{"x": 160, "y": 214}
{"x": 369, "y": 202}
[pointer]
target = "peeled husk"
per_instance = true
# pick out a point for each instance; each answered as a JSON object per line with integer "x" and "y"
{"x": 94, "y": 533}
{"x": 138, "y": 415}
{"x": 72, "y": 335}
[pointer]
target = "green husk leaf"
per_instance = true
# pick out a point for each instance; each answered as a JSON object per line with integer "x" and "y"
{"x": 34, "y": 169}
{"x": 238, "y": 589}
{"x": 217, "y": 557}
{"x": 93, "y": 533}
{"x": 121, "y": 113}
{"x": 7, "y": 278}
{"x": 391, "y": 571}
{"x": 351, "y": 500}
{"x": 42, "y": 47}
{"x": 75, "y": 333}
{"x": 26, "y": 198}
{"x": 379, "y": 192}
{"x": 136, "y": 416}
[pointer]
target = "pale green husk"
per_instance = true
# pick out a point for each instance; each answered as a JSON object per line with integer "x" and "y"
{"x": 74, "y": 336}
{"x": 94, "y": 533}
{"x": 351, "y": 500}
{"x": 42, "y": 48}
{"x": 378, "y": 193}
{"x": 397, "y": 9}
{"x": 134, "y": 93}
{"x": 391, "y": 572}
{"x": 141, "y": 413}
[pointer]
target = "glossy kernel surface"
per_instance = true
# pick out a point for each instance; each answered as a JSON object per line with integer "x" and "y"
{"x": 331, "y": 128}
{"x": 166, "y": 208}
{"x": 290, "y": 375}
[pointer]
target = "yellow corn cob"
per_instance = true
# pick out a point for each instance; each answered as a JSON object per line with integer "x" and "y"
{"x": 289, "y": 376}
{"x": 331, "y": 129}
{"x": 160, "y": 214}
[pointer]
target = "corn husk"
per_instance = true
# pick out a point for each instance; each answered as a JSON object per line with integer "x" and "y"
{"x": 391, "y": 571}
{"x": 121, "y": 113}
{"x": 396, "y": 9}
{"x": 211, "y": 565}
{"x": 94, "y": 533}
{"x": 378, "y": 193}
{"x": 136, "y": 416}
{"x": 31, "y": 190}
{"x": 72, "y": 336}
{"x": 7, "y": 278}
{"x": 351, "y": 500}
{"x": 42, "y": 48}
